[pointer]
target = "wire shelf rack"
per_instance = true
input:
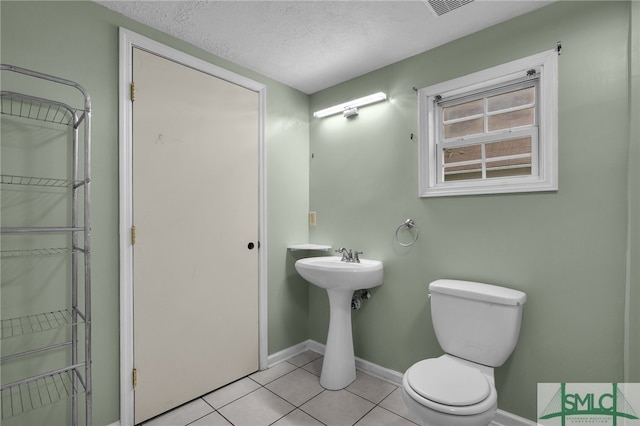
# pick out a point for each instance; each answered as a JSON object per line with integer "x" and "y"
{"x": 39, "y": 181}
{"x": 39, "y": 391}
{"x": 35, "y": 323}
{"x": 25, "y": 106}
{"x": 38, "y": 229}
{"x": 73, "y": 344}
{"x": 35, "y": 252}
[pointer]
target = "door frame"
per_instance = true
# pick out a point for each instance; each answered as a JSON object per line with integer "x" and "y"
{"x": 128, "y": 41}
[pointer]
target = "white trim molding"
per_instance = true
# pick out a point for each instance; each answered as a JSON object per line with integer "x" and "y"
{"x": 504, "y": 418}
{"x": 370, "y": 368}
{"x": 542, "y": 133}
{"x": 129, "y": 40}
{"x": 289, "y": 353}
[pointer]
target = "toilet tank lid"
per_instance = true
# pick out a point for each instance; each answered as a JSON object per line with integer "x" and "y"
{"x": 478, "y": 291}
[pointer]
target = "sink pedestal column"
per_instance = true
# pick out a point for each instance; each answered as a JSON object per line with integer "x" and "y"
{"x": 339, "y": 365}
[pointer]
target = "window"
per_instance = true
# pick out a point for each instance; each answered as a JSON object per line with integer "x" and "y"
{"x": 494, "y": 131}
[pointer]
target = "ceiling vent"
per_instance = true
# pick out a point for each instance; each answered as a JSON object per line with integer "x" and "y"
{"x": 440, "y": 7}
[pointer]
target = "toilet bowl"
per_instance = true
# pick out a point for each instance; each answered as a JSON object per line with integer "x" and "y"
{"x": 447, "y": 391}
{"x": 477, "y": 325}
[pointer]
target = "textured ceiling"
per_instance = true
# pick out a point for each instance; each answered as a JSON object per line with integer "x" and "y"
{"x": 312, "y": 45}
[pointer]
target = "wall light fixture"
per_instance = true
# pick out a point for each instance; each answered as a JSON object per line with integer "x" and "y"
{"x": 350, "y": 108}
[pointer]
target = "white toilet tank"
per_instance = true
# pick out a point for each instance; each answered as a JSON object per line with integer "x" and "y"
{"x": 474, "y": 321}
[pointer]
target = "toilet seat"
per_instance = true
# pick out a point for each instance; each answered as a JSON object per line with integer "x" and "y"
{"x": 448, "y": 386}
{"x": 449, "y": 383}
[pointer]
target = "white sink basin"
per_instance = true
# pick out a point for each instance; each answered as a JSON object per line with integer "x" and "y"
{"x": 340, "y": 279}
{"x": 330, "y": 272}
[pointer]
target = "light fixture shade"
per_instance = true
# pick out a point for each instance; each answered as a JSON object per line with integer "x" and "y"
{"x": 336, "y": 109}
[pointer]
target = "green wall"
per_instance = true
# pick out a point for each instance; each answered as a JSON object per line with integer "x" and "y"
{"x": 633, "y": 283}
{"x": 79, "y": 41}
{"x": 567, "y": 249}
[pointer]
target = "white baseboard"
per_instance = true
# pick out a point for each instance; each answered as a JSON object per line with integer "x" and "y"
{"x": 289, "y": 352}
{"x": 361, "y": 364}
{"x": 380, "y": 372}
{"x": 316, "y": 347}
{"x": 503, "y": 418}
{"x": 115, "y": 424}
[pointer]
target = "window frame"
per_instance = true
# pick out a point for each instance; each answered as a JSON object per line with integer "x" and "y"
{"x": 544, "y": 152}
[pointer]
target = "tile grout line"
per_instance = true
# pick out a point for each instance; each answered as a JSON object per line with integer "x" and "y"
{"x": 375, "y": 405}
{"x": 298, "y": 406}
{"x": 300, "y": 367}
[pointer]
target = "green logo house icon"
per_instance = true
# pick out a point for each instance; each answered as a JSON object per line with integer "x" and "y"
{"x": 588, "y": 403}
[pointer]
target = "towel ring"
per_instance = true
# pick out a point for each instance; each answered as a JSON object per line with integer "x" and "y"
{"x": 409, "y": 224}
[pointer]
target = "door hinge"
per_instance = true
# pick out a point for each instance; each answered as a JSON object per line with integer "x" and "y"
{"x": 133, "y": 235}
{"x": 133, "y": 92}
{"x": 134, "y": 377}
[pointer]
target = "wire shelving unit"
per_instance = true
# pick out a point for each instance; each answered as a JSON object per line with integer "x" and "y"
{"x": 71, "y": 381}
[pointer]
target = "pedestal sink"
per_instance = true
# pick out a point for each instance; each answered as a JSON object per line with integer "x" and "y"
{"x": 340, "y": 279}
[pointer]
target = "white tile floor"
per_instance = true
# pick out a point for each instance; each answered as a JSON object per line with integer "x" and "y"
{"x": 289, "y": 394}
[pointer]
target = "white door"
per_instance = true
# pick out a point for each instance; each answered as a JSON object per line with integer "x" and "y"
{"x": 195, "y": 212}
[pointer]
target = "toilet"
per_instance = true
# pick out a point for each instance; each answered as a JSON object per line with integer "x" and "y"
{"x": 477, "y": 326}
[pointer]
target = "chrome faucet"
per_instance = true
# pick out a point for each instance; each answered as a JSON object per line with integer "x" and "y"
{"x": 349, "y": 255}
